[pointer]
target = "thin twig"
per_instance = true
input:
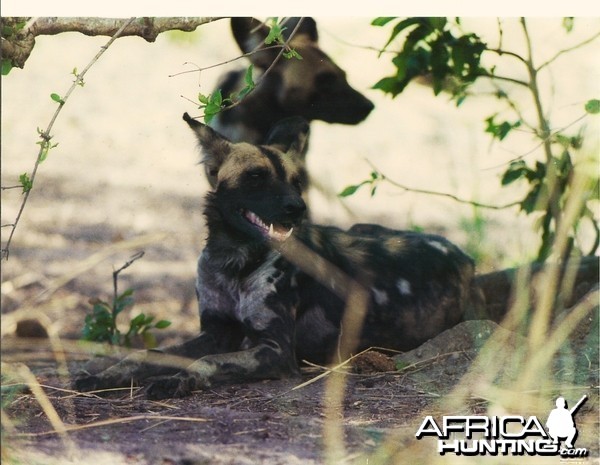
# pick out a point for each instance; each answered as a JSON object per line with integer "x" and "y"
{"x": 199, "y": 69}
{"x": 537, "y": 146}
{"x": 504, "y": 78}
{"x": 567, "y": 50}
{"x": 46, "y": 137}
{"x": 127, "y": 264}
{"x": 501, "y": 52}
{"x": 443, "y": 194}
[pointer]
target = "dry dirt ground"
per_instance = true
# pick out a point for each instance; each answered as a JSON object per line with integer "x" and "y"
{"x": 123, "y": 179}
{"x": 303, "y": 421}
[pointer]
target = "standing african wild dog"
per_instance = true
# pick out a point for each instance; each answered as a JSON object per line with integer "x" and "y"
{"x": 313, "y": 87}
{"x": 273, "y": 289}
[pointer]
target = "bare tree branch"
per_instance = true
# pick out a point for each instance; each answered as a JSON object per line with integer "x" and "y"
{"x": 18, "y": 45}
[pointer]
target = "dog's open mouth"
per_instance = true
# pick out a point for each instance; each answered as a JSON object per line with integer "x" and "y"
{"x": 275, "y": 232}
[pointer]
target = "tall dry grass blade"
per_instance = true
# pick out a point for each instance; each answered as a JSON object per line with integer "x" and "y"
{"x": 23, "y": 372}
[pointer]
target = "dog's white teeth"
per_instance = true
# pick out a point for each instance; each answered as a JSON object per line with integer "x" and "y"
{"x": 288, "y": 234}
{"x": 271, "y": 230}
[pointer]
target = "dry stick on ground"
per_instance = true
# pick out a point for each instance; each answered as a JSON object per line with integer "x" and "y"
{"x": 46, "y": 137}
{"x": 114, "y": 421}
{"x": 23, "y": 372}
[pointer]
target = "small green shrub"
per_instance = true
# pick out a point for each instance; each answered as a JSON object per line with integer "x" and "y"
{"x": 101, "y": 324}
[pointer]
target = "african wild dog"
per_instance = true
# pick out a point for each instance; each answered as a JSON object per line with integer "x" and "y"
{"x": 313, "y": 87}
{"x": 274, "y": 289}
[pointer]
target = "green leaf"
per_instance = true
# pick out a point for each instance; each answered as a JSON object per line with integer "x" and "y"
{"x": 516, "y": 170}
{"x": 350, "y": 190}
{"x": 162, "y": 324}
{"x": 292, "y": 53}
{"x": 213, "y": 105}
{"x": 250, "y": 85}
{"x": 45, "y": 148}
{"x": 249, "y": 77}
{"x": 401, "y": 26}
{"x": 275, "y": 33}
{"x": 438, "y": 22}
{"x": 563, "y": 140}
{"x": 137, "y": 321}
{"x": 529, "y": 202}
{"x": 382, "y": 20}
{"x": 439, "y": 65}
{"x": 126, "y": 293}
{"x": 592, "y": 106}
{"x": 7, "y": 65}
{"x": 57, "y": 98}
{"x": 217, "y": 98}
{"x": 203, "y": 99}
{"x": 568, "y": 23}
{"x": 122, "y": 304}
{"x": 391, "y": 85}
{"x": 501, "y": 130}
{"x": 25, "y": 182}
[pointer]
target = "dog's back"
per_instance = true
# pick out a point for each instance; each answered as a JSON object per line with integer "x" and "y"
{"x": 417, "y": 284}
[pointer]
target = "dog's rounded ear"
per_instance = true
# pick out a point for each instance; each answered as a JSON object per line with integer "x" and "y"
{"x": 307, "y": 28}
{"x": 290, "y": 135}
{"x": 215, "y": 147}
{"x": 250, "y": 35}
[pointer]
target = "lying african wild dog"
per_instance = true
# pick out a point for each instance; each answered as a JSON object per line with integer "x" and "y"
{"x": 260, "y": 312}
{"x": 313, "y": 87}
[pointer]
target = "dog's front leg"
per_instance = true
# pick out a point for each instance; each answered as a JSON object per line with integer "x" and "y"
{"x": 218, "y": 337}
{"x": 272, "y": 357}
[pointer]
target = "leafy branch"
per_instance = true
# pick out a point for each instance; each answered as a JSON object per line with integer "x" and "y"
{"x": 439, "y": 50}
{"x": 27, "y": 181}
{"x": 376, "y": 177}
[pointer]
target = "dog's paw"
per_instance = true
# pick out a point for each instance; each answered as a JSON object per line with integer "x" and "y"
{"x": 89, "y": 383}
{"x": 171, "y": 387}
{"x": 101, "y": 381}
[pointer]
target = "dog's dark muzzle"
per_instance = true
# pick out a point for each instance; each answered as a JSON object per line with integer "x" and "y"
{"x": 294, "y": 208}
{"x": 279, "y": 225}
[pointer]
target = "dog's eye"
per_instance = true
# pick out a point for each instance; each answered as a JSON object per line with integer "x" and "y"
{"x": 298, "y": 184}
{"x": 256, "y": 177}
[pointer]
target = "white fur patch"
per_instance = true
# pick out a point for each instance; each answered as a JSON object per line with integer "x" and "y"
{"x": 380, "y": 296}
{"x": 438, "y": 245}
{"x": 404, "y": 287}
